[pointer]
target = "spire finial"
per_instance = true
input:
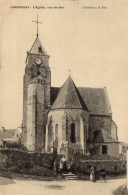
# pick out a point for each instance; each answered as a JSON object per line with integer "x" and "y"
{"x": 37, "y": 22}
{"x": 69, "y": 72}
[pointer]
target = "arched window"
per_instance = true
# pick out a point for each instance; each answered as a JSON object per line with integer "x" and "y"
{"x": 38, "y": 72}
{"x": 56, "y": 132}
{"x": 73, "y": 133}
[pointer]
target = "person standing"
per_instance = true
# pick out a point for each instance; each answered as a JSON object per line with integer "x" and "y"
{"x": 92, "y": 174}
{"x": 103, "y": 174}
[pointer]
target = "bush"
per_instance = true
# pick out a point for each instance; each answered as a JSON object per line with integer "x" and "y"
{"x": 121, "y": 190}
{"x": 27, "y": 162}
{"x": 38, "y": 171}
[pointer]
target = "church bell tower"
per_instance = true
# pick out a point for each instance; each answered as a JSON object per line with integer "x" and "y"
{"x": 36, "y": 96}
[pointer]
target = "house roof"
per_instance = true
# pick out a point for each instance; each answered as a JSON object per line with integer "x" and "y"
{"x": 95, "y": 99}
{"x": 37, "y": 48}
{"x": 8, "y": 133}
{"x": 69, "y": 97}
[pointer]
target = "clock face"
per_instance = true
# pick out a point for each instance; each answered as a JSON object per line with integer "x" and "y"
{"x": 38, "y": 61}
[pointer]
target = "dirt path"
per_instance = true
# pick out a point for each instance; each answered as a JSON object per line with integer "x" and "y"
{"x": 33, "y": 187}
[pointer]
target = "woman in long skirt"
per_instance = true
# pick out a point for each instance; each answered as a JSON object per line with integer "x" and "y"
{"x": 92, "y": 176}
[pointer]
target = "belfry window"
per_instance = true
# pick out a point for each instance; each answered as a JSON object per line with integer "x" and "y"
{"x": 73, "y": 133}
{"x": 40, "y": 49}
{"x": 40, "y": 81}
{"x": 56, "y": 132}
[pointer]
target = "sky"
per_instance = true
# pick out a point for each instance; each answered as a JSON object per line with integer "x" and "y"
{"x": 92, "y": 43}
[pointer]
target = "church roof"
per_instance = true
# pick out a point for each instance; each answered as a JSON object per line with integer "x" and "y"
{"x": 37, "y": 48}
{"x": 69, "y": 97}
{"x": 95, "y": 98}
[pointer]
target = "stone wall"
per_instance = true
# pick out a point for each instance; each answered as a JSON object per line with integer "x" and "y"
{"x": 81, "y": 120}
{"x": 31, "y": 71}
{"x": 112, "y": 167}
{"x": 31, "y": 59}
{"x": 36, "y": 117}
{"x": 114, "y": 131}
{"x": 99, "y": 123}
{"x": 63, "y": 118}
{"x": 112, "y": 149}
{"x": 56, "y": 119}
{"x": 31, "y": 117}
{"x": 27, "y": 79}
{"x": 41, "y": 118}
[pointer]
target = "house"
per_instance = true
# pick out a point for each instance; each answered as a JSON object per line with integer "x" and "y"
{"x": 9, "y": 135}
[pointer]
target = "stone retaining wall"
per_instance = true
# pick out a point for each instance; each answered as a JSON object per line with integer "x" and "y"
{"x": 112, "y": 167}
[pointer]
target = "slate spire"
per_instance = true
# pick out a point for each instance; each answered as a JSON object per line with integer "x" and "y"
{"x": 37, "y": 48}
{"x": 69, "y": 97}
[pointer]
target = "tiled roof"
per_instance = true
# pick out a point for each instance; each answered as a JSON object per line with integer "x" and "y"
{"x": 94, "y": 98}
{"x": 69, "y": 97}
{"x": 37, "y": 48}
{"x": 8, "y": 133}
{"x": 54, "y": 93}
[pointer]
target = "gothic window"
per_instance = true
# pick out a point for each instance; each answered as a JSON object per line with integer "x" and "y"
{"x": 73, "y": 136}
{"x": 104, "y": 149}
{"x": 67, "y": 139}
{"x": 56, "y": 132}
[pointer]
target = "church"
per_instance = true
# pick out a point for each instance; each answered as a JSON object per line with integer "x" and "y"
{"x": 68, "y": 119}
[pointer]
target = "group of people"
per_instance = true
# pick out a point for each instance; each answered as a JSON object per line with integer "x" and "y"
{"x": 93, "y": 174}
{"x": 61, "y": 165}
